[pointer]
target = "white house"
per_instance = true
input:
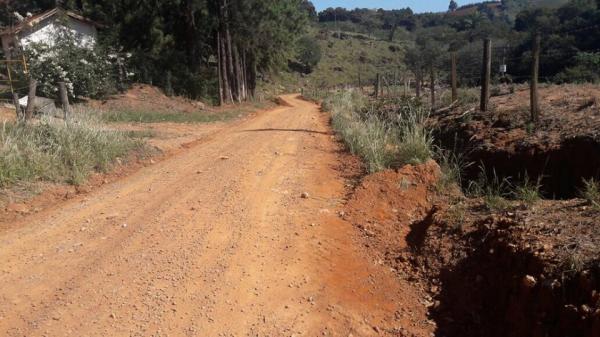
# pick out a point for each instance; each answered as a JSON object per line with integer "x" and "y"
{"x": 42, "y": 27}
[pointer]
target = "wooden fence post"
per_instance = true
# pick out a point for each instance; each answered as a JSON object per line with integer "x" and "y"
{"x": 17, "y": 106}
{"x": 31, "y": 99}
{"x": 64, "y": 99}
{"x": 486, "y": 74}
{"x": 377, "y": 85}
{"x": 535, "y": 68}
{"x": 454, "y": 79}
{"x": 360, "y": 82}
{"x": 418, "y": 84}
{"x": 432, "y": 87}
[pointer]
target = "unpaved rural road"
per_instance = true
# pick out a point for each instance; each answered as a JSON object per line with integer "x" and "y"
{"x": 214, "y": 241}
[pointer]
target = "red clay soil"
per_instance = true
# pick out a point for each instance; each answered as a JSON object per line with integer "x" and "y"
{"x": 562, "y": 149}
{"x": 147, "y": 97}
{"x": 522, "y": 271}
{"x": 386, "y": 203}
{"x": 239, "y": 234}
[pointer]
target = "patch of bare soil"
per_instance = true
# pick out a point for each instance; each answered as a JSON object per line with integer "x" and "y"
{"x": 7, "y": 114}
{"x": 561, "y": 150}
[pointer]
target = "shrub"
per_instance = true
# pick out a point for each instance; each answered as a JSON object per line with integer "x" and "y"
{"x": 309, "y": 52}
{"x": 54, "y": 151}
{"x": 86, "y": 69}
{"x": 585, "y": 69}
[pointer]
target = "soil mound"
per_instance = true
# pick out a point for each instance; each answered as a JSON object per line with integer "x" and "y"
{"x": 147, "y": 97}
{"x": 386, "y": 203}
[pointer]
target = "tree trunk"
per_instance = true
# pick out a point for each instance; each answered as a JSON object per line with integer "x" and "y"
{"x": 238, "y": 73}
{"x": 229, "y": 59}
{"x": 252, "y": 74}
{"x": 220, "y": 69}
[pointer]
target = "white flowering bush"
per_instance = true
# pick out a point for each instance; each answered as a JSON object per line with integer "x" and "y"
{"x": 86, "y": 69}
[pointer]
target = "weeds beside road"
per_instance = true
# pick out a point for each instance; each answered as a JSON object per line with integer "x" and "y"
{"x": 380, "y": 141}
{"x": 52, "y": 150}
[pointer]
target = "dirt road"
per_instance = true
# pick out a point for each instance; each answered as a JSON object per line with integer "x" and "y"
{"x": 214, "y": 241}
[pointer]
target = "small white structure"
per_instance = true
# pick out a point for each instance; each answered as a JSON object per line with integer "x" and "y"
{"x": 43, "y": 27}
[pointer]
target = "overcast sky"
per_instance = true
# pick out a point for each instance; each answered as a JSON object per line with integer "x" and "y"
{"x": 416, "y": 5}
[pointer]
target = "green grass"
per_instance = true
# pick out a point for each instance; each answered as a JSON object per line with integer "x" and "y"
{"x": 344, "y": 59}
{"x": 528, "y": 191}
{"x": 146, "y": 116}
{"x": 591, "y": 192}
{"x": 149, "y": 116}
{"x": 492, "y": 189}
{"x": 52, "y": 150}
{"x": 379, "y": 142}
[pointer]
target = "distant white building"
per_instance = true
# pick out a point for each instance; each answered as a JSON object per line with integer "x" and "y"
{"x": 44, "y": 26}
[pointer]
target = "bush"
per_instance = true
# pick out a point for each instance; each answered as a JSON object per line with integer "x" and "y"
{"x": 309, "y": 52}
{"x": 55, "y": 151}
{"x": 585, "y": 70}
{"x": 87, "y": 70}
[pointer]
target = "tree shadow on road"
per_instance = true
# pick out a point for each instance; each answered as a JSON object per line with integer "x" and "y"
{"x": 288, "y": 130}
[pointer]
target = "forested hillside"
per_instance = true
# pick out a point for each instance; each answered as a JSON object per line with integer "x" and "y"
{"x": 179, "y": 44}
{"x": 569, "y": 32}
{"x": 220, "y": 51}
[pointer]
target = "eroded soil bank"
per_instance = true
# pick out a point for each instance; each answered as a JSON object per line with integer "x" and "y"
{"x": 525, "y": 271}
{"x": 560, "y": 151}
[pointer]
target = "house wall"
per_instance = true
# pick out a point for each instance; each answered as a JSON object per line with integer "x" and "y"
{"x": 45, "y": 31}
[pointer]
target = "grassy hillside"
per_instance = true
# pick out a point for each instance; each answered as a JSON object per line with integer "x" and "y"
{"x": 345, "y": 55}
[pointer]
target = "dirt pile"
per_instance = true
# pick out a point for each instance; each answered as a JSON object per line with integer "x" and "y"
{"x": 147, "y": 97}
{"x": 562, "y": 150}
{"x": 385, "y": 202}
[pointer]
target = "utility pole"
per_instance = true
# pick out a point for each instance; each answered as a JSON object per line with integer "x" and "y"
{"x": 486, "y": 74}
{"x": 454, "y": 79}
{"x": 535, "y": 69}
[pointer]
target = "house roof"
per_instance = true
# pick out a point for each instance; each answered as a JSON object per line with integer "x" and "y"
{"x": 34, "y": 20}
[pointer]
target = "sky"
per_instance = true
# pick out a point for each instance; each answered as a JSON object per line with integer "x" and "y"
{"x": 416, "y": 5}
